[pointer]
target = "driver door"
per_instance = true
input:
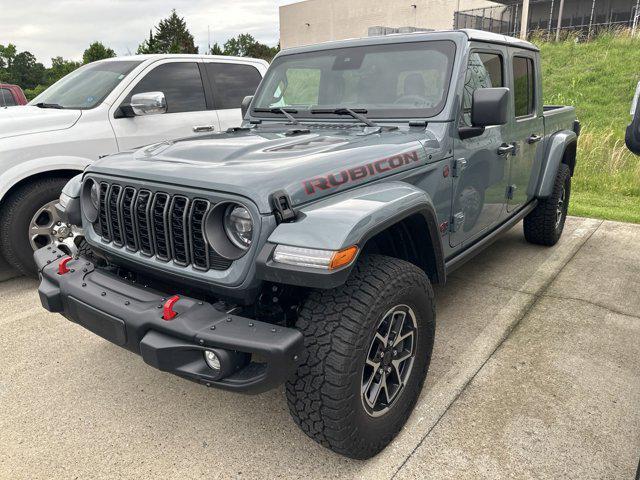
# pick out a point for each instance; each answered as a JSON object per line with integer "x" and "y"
{"x": 187, "y": 112}
{"x": 480, "y": 172}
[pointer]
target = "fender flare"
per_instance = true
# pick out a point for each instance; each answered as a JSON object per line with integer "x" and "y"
{"x": 349, "y": 218}
{"x": 36, "y": 166}
{"x": 555, "y": 150}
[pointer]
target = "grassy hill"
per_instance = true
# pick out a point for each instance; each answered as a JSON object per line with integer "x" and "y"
{"x": 599, "y": 79}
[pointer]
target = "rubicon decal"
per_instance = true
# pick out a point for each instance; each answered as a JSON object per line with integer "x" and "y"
{"x": 354, "y": 174}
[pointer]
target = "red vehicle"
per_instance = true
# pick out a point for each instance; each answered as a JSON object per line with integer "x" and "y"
{"x": 11, "y": 95}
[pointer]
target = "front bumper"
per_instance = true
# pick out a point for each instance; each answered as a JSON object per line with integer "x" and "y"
{"x": 130, "y": 315}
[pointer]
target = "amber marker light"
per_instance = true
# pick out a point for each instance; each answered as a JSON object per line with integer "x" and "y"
{"x": 314, "y": 258}
{"x": 343, "y": 257}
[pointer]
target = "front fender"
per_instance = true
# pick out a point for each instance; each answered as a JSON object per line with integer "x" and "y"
{"x": 556, "y": 147}
{"x": 24, "y": 170}
{"x": 343, "y": 220}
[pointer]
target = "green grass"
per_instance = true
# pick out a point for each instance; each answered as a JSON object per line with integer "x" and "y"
{"x": 599, "y": 79}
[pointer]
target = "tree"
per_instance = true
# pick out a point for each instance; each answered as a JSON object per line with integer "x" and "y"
{"x": 97, "y": 51}
{"x": 26, "y": 72}
{"x": 60, "y": 67}
{"x": 171, "y": 36}
{"x": 244, "y": 45}
{"x": 216, "y": 50}
{"x": 148, "y": 46}
{"x": 7, "y": 54}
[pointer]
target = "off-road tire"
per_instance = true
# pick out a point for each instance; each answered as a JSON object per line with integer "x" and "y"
{"x": 15, "y": 215}
{"x": 540, "y": 225}
{"x": 324, "y": 395}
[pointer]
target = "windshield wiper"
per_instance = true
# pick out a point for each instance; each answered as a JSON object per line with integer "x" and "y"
{"x": 284, "y": 111}
{"x": 356, "y": 113}
{"x": 48, "y": 105}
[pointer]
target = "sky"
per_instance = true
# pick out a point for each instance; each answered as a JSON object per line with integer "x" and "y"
{"x": 66, "y": 27}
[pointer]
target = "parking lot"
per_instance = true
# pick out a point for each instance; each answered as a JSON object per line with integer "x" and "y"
{"x": 535, "y": 373}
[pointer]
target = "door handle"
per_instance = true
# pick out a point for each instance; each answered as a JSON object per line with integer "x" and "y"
{"x": 534, "y": 138}
{"x": 203, "y": 128}
{"x": 506, "y": 149}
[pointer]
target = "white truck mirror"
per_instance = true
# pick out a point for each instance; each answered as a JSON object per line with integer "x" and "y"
{"x": 148, "y": 103}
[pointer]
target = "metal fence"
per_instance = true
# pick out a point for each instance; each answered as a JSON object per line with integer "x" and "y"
{"x": 582, "y": 18}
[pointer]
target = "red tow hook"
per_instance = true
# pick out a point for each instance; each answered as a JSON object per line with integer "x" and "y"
{"x": 168, "y": 313}
{"x": 62, "y": 266}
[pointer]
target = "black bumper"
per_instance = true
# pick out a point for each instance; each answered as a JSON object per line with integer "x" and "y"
{"x": 130, "y": 316}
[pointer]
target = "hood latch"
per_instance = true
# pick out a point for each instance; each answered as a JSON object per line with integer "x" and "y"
{"x": 282, "y": 208}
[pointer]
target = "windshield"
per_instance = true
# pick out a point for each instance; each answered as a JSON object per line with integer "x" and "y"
{"x": 393, "y": 80}
{"x": 86, "y": 87}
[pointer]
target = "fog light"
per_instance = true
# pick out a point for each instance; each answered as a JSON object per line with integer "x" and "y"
{"x": 212, "y": 360}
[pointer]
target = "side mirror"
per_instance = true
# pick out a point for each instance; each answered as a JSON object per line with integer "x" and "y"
{"x": 246, "y": 103}
{"x": 489, "y": 107}
{"x": 148, "y": 103}
{"x": 632, "y": 137}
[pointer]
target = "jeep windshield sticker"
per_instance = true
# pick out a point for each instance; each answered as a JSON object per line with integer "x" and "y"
{"x": 354, "y": 174}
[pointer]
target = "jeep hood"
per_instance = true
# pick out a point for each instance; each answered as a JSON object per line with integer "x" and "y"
{"x": 257, "y": 163}
{"x": 28, "y": 119}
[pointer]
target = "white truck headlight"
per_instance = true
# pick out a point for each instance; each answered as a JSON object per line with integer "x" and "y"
{"x": 314, "y": 258}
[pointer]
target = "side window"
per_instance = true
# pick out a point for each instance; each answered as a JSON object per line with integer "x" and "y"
{"x": 231, "y": 83}
{"x": 484, "y": 71}
{"x": 6, "y": 98}
{"x": 523, "y": 86}
{"x": 180, "y": 83}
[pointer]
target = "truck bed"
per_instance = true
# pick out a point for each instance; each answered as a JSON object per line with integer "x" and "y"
{"x": 559, "y": 117}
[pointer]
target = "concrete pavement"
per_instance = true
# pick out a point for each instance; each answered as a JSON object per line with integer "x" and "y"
{"x": 535, "y": 373}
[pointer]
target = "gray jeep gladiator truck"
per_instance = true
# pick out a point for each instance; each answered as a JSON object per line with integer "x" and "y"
{"x": 301, "y": 247}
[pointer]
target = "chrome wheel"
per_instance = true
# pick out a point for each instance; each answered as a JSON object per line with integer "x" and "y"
{"x": 46, "y": 228}
{"x": 389, "y": 360}
{"x": 561, "y": 207}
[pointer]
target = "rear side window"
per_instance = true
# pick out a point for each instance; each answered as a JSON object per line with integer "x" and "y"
{"x": 181, "y": 84}
{"x": 523, "y": 86}
{"x": 6, "y": 98}
{"x": 484, "y": 71}
{"x": 231, "y": 83}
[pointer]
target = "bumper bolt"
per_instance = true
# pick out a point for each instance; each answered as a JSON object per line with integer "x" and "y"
{"x": 213, "y": 327}
{"x": 228, "y": 319}
{"x": 84, "y": 284}
{"x": 104, "y": 294}
{"x": 127, "y": 302}
{"x": 273, "y": 330}
{"x": 201, "y": 342}
{"x": 159, "y": 306}
{"x": 251, "y": 324}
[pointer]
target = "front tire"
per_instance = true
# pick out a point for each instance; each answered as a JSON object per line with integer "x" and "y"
{"x": 350, "y": 335}
{"x": 21, "y": 231}
{"x": 545, "y": 223}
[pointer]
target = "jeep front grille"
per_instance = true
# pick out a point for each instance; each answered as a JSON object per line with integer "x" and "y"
{"x": 171, "y": 227}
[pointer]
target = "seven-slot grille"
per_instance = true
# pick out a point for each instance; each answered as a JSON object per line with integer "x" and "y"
{"x": 171, "y": 227}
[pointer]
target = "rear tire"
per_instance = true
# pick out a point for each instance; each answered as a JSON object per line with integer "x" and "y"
{"x": 545, "y": 223}
{"x": 342, "y": 331}
{"x": 16, "y": 215}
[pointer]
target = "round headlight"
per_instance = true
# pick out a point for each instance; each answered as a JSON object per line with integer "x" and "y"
{"x": 238, "y": 225}
{"x": 95, "y": 195}
{"x": 90, "y": 199}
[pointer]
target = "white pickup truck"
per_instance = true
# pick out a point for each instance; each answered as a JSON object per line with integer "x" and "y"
{"x": 102, "y": 108}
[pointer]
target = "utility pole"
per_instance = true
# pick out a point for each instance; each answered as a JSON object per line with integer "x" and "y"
{"x": 524, "y": 23}
{"x": 560, "y": 13}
